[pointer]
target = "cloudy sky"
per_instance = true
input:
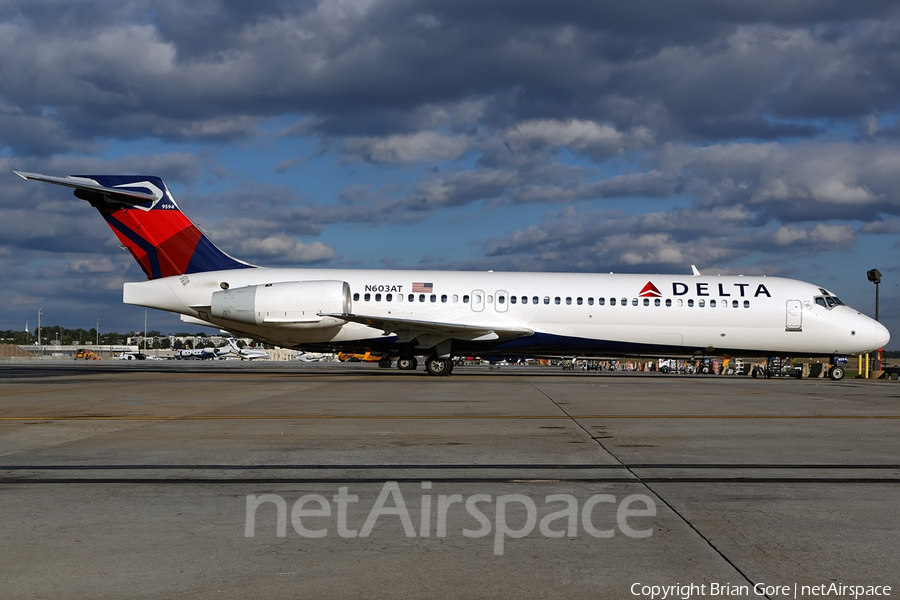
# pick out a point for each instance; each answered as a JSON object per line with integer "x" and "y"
{"x": 743, "y": 137}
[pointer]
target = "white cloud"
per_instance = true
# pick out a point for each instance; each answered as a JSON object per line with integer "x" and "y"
{"x": 818, "y": 237}
{"x": 419, "y": 146}
{"x": 283, "y": 249}
{"x": 575, "y": 134}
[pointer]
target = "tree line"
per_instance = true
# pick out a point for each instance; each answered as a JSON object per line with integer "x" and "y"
{"x": 72, "y": 337}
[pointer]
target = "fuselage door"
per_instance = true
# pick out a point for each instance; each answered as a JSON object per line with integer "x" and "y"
{"x": 478, "y": 300}
{"x": 501, "y": 301}
{"x": 794, "y": 319}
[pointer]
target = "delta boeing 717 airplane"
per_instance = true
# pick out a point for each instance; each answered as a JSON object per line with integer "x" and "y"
{"x": 439, "y": 314}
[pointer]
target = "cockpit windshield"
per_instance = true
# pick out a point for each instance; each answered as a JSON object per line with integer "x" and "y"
{"x": 828, "y": 301}
{"x": 827, "y": 294}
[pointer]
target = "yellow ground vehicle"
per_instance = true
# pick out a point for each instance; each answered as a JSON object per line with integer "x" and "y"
{"x": 83, "y": 354}
{"x": 367, "y": 357}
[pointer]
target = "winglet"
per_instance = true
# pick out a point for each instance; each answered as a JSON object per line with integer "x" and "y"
{"x": 695, "y": 271}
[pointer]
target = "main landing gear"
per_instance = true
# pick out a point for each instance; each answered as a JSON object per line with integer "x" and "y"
{"x": 440, "y": 367}
{"x": 407, "y": 364}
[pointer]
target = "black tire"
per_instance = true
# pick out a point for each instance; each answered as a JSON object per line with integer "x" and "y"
{"x": 705, "y": 370}
{"x": 384, "y": 363}
{"x": 836, "y": 373}
{"x": 664, "y": 370}
{"x": 439, "y": 367}
{"x": 407, "y": 364}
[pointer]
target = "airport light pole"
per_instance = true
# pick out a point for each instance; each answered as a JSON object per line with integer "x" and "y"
{"x": 874, "y": 276}
{"x": 40, "y": 349}
{"x": 98, "y": 332}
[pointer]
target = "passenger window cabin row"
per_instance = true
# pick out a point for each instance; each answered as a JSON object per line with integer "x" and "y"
{"x": 557, "y": 300}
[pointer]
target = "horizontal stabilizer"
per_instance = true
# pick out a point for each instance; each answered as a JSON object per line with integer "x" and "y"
{"x": 120, "y": 194}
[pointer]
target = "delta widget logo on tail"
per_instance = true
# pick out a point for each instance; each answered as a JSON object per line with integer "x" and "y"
{"x": 150, "y": 226}
{"x": 650, "y": 291}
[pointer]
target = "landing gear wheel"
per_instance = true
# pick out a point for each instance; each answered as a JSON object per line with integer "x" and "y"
{"x": 440, "y": 367}
{"x": 384, "y": 363}
{"x": 836, "y": 373}
{"x": 407, "y": 364}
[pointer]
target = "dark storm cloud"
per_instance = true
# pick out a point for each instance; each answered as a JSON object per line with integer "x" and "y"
{"x": 210, "y": 70}
{"x": 792, "y": 182}
{"x": 596, "y": 241}
{"x": 786, "y": 182}
{"x": 35, "y": 132}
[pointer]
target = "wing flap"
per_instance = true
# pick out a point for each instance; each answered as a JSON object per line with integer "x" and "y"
{"x": 283, "y": 320}
{"x": 409, "y": 329}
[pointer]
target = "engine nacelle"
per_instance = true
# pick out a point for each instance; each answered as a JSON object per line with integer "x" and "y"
{"x": 292, "y": 304}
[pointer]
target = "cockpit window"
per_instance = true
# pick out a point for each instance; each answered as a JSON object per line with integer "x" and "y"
{"x": 830, "y": 298}
{"x": 828, "y": 302}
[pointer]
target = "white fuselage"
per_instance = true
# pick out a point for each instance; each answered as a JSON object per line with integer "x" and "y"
{"x": 569, "y": 313}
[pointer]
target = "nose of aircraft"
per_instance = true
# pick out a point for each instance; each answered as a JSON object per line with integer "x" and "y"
{"x": 882, "y": 335}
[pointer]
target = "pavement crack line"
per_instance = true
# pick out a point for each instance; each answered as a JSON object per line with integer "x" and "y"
{"x": 639, "y": 479}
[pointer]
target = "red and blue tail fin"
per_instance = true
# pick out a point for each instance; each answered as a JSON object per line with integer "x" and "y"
{"x": 142, "y": 213}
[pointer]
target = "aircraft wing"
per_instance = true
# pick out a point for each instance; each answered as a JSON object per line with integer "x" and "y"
{"x": 122, "y": 194}
{"x": 429, "y": 333}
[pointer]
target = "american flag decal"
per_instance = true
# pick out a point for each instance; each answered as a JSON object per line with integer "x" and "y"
{"x": 422, "y": 288}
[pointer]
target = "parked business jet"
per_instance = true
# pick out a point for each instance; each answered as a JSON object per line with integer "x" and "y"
{"x": 439, "y": 314}
{"x": 246, "y": 353}
{"x": 202, "y": 353}
{"x": 314, "y": 357}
